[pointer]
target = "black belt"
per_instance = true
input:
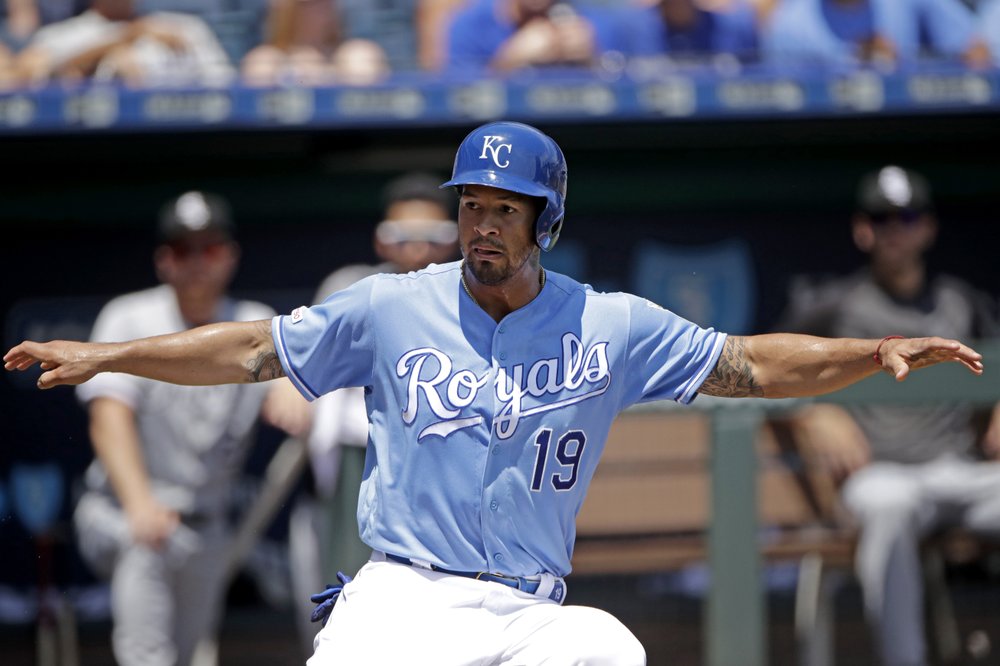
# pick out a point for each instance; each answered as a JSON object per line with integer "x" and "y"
{"x": 517, "y": 582}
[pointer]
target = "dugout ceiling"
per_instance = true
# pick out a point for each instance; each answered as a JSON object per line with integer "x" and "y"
{"x": 306, "y": 201}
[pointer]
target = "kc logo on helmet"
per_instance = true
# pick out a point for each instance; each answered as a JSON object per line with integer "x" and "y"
{"x": 494, "y": 149}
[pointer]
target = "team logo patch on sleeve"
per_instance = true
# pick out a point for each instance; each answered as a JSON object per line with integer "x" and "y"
{"x": 297, "y": 314}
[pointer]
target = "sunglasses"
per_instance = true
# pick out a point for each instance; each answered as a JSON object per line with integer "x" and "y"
{"x": 907, "y": 216}
{"x": 439, "y": 232}
{"x": 209, "y": 250}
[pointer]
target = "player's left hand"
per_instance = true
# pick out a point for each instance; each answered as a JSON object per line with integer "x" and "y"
{"x": 327, "y": 598}
{"x": 901, "y": 355}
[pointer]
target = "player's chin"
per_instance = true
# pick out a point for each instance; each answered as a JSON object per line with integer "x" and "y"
{"x": 490, "y": 272}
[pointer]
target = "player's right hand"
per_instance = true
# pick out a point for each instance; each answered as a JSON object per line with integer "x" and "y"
{"x": 64, "y": 362}
{"x": 152, "y": 524}
{"x": 833, "y": 441}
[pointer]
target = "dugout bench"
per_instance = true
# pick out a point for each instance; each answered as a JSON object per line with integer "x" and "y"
{"x": 683, "y": 485}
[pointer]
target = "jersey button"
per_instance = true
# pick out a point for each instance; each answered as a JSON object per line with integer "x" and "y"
{"x": 501, "y": 329}
{"x": 498, "y": 557}
{"x": 503, "y": 355}
{"x": 494, "y": 505}
{"x": 496, "y": 450}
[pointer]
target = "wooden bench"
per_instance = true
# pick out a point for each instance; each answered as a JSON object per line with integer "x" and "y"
{"x": 648, "y": 511}
{"x": 649, "y": 502}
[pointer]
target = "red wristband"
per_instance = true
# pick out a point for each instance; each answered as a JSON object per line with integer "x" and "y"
{"x": 875, "y": 356}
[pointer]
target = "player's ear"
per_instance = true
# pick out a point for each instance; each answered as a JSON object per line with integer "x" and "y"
{"x": 162, "y": 262}
{"x": 235, "y": 252}
{"x": 862, "y": 232}
{"x": 232, "y": 260}
{"x": 929, "y": 225}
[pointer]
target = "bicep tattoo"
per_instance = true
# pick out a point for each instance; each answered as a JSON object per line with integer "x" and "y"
{"x": 732, "y": 376}
{"x": 265, "y": 365}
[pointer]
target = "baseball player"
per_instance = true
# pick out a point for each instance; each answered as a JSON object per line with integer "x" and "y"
{"x": 153, "y": 518}
{"x": 490, "y": 385}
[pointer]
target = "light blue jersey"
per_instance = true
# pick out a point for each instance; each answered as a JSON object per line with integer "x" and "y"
{"x": 484, "y": 436}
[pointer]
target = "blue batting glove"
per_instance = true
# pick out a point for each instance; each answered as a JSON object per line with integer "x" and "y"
{"x": 327, "y": 598}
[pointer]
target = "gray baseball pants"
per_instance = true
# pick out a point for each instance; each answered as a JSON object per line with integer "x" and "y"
{"x": 163, "y": 601}
{"x": 896, "y": 505}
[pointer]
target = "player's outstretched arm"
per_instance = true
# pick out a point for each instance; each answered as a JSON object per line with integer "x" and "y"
{"x": 784, "y": 365}
{"x": 226, "y": 353}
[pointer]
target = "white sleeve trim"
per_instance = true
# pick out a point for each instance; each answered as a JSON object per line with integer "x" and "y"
{"x": 298, "y": 382}
{"x": 690, "y": 391}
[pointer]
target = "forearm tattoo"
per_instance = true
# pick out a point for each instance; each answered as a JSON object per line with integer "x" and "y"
{"x": 732, "y": 376}
{"x": 265, "y": 366}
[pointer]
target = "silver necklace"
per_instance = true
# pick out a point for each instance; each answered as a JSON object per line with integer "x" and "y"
{"x": 465, "y": 285}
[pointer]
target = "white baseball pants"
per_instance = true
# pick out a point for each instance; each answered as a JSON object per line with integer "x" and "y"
{"x": 393, "y": 613}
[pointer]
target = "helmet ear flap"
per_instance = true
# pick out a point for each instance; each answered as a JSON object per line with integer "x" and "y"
{"x": 554, "y": 231}
{"x": 547, "y": 233}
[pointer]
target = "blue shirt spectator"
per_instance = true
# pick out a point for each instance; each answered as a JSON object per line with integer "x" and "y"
{"x": 848, "y": 32}
{"x": 683, "y": 30}
{"x": 989, "y": 26}
{"x": 505, "y": 35}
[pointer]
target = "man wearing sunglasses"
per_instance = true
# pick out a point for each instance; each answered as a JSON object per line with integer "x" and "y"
{"x": 153, "y": 518}
{"x": 905, "y": 471}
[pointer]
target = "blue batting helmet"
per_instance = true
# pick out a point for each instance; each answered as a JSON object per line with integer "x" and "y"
{"x": 519, "y": 158}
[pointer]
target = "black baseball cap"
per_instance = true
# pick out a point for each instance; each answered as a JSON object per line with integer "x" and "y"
{"x": 893, "y": 189}
{"x": 421, "y": 186}
{"x": 192, "y": 212}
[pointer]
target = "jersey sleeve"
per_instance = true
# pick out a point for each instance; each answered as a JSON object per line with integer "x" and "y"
{"x": 112, "y": 325}
{"x": 330, "y": 345}
{"x": 669, "y": 357}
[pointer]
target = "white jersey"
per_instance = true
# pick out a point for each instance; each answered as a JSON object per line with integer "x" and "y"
{"x": 194, "y": 438}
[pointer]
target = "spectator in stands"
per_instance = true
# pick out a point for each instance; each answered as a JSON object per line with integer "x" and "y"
{"x": 154, "y": 516}
{"x": 111, "y": 41}
{"x": 237, "y": 24}
{"x": 686, "y": 31}
{"x": 906, "y": 471}
{"x": 989, "y": 27}
{"x": 417, "y": 230}
{"x": 306, "y": 46}
{"x": 23, "y": 17}
{"x": 391, "y": 24}
{"x": 8, "y": 78}
{"x": 888, "y": 33}
{"x": 432, "y": 18}
{"x": 507, "y": 35}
